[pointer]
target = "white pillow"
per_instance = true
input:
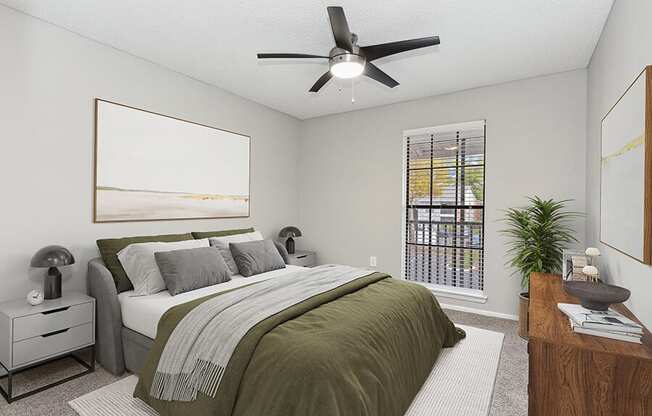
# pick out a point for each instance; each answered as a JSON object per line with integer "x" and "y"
{"x": 140, "y": 265}
{"x": 222, "y": 244}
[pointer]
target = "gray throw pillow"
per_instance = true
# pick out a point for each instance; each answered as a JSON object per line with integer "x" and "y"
{"x": 255, "y": 257}
{"x": 225, "y": 253}
{"x": 283, "y": 252}
{"x": 190, "y": 269}
{"x": 222, "y": 243}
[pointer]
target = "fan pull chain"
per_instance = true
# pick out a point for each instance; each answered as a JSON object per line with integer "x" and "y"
{"x": 352, "y": 91}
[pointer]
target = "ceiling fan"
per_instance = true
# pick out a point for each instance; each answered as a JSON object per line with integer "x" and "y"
{"x": 348, "y": 60}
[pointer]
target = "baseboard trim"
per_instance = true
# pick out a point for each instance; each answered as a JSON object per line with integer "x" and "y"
{"x": 457, "y": 293}
{"x": 479, "y": 311}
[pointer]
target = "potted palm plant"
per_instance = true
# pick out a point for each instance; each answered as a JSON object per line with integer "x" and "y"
{"x": 538, "y": 234}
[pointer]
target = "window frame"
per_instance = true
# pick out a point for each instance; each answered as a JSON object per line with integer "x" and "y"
{"x": 456, "y": 293}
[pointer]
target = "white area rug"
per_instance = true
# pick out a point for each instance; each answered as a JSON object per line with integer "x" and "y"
{"x": 460, "y": 384}
{"x": 462, "y": 381}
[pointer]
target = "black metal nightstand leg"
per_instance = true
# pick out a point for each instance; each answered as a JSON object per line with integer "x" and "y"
{"x": 9, "y": 386}
{"x": 8, "y": 394}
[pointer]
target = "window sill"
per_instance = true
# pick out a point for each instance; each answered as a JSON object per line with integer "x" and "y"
{"x": 469, "y": 295}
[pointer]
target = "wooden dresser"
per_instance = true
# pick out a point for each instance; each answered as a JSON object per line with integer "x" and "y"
{"x": 582, "y": 375}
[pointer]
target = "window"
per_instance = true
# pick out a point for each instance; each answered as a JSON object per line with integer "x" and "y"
{"x": 444, "y": 207}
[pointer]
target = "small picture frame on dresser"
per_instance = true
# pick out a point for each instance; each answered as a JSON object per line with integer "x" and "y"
{"x": 573, "y": 262}
{"x": 31, "y": 336}
{"x": 303, "y": 258}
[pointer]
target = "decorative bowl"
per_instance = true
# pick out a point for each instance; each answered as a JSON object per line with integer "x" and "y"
{"x": 596, "y": 296}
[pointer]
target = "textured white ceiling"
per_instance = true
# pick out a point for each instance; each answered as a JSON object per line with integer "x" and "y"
{"x": 482, "y": 42}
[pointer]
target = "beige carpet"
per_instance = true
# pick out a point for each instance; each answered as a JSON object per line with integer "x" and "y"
{"x": 510, "y": 394}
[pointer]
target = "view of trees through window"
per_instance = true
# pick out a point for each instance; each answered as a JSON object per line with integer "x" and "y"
{"x": 445, "y": 206}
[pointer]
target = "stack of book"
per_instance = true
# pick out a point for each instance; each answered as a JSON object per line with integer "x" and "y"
{"x": 608, "y": 324}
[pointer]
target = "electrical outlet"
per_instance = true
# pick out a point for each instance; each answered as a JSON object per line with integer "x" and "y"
{"x": 372, "y": 261}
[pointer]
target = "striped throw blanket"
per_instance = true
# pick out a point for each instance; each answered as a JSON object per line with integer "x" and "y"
{"x": 200, "y": 347}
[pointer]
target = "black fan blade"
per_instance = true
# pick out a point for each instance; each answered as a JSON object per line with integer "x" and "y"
{"x": 321, "y": 81}
{"x": 373, "y": 72}
{"x": 340, "y": 28}
{"x": 288, "y": 55}
{"x": 385, "y": 49}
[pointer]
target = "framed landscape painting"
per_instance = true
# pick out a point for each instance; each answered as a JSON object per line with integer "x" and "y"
{"x": 626, "y": 172}
{"x": 153, "y": 167}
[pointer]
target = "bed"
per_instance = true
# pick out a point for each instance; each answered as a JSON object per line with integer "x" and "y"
{"x": 141, "y": 314}
{"x": 363, "y": 348}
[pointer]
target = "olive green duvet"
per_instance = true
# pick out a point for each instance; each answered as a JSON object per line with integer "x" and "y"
{"x": 362, "y": 349}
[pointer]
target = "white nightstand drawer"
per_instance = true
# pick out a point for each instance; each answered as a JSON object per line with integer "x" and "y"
{"x": 48, "y": 345}
{"x": 50, "y": 321}
{"x": 305, "y": 259}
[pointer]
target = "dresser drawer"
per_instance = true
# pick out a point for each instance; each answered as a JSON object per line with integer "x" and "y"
{"x": 50, "y": 321}
{"x": 48, "y": 345}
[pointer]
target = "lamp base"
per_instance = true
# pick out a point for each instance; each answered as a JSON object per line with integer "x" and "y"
{"x": 289, "y": 245}
{"x": 52, "y": 284}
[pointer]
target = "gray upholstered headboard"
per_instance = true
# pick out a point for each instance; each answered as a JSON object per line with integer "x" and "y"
{"x": 104, "y": 288}
{"x": 108, "y": 317}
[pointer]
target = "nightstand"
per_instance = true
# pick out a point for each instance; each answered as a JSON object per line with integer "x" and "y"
{"x": 303, "y": 258}
{"x": 34, "y": 335}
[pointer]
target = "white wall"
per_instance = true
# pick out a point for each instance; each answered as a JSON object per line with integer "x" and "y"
{"x": 348, "y": 166}
{"x": 350, "y": 170}
{"x": 48, "y": 80}
{"x": 622, "y": 53}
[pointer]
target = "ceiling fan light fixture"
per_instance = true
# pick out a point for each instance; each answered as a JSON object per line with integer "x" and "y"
{"x": 347, "y": 66}
{"x": 348, "y": 60}
{"x": 347, "y": 69}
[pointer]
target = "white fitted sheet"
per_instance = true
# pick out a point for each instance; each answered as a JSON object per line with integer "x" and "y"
{"x": 142, "y": 313}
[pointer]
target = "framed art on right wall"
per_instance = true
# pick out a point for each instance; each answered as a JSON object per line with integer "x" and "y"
{"x": 626, "y": 172}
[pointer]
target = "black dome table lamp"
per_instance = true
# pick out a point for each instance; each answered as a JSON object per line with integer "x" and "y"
{"x": 52, "y": 257}
{"x": 289, "y": 233}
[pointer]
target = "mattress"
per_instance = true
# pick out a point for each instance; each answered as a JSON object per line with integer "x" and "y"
{"x": 142, "y": 313}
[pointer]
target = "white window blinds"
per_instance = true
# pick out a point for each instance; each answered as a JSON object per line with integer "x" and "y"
{"x": 444, "y": 215}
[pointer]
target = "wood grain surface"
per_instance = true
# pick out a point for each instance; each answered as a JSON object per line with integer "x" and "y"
{"x": 575, "y": 374}
{"x": 647, "y": 222}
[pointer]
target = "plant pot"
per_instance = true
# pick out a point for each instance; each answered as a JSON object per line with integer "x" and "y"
{"x": 523, "y": 314}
